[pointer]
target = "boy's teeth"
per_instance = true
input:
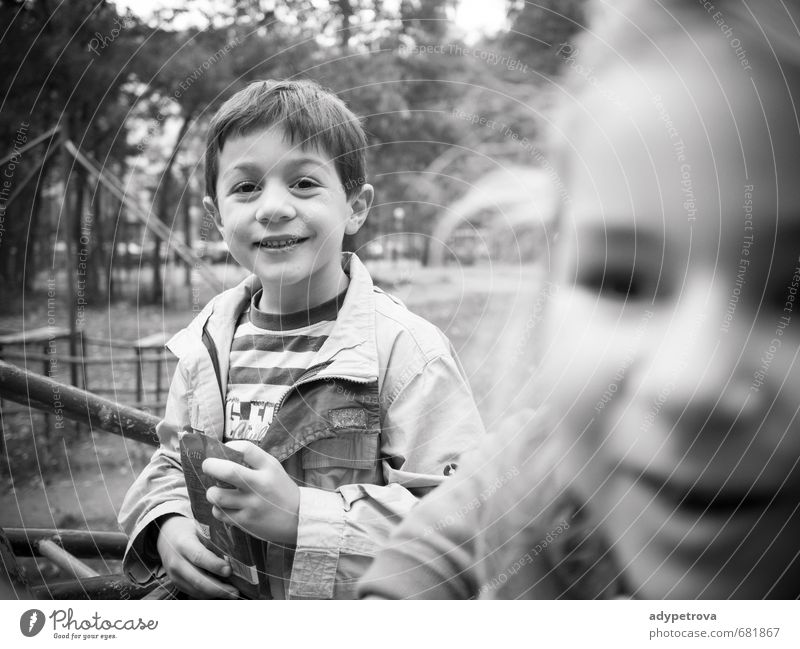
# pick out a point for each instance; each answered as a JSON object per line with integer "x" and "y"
{"x": 283, "y": 243}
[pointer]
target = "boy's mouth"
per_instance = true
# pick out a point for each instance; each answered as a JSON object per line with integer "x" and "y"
{"x": 283, "y": 242}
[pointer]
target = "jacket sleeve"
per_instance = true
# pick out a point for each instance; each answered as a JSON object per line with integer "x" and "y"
{"x": 159, "y": 490}
{"x": 430, "y": 419}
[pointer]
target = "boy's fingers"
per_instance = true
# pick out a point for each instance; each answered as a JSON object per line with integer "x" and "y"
{"x": 200, "y": 556}
{"x": 237, "y": 517}
{"x": 226, "y": 471}
{"x": 234, "y": 517}
{"x": 200, "y": 584}
{"x": 254, "y": 456}
{"x": 225, "y": 498}
{"x": 227, "y": 516}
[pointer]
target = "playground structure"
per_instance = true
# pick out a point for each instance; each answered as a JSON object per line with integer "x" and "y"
{"x": 80, "y": 401}
{"x": 66, "y": 548}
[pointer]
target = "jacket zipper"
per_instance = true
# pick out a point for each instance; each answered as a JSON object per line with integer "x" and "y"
{"x": 211, "y": 347}
{"x": 309, "y": 377}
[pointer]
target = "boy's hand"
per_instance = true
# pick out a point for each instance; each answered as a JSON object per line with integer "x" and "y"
{"x": 264, "y": 501}
{"x": 189, "y": 564}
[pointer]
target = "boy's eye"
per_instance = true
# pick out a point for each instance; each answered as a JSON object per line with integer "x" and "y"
{"x": 305, "y": 183}
{"x": 246, "y": 187}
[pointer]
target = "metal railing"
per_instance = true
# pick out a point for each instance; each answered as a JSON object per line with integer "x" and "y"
{"x": 38, "y": 347}
{"x": 66, "y": 548}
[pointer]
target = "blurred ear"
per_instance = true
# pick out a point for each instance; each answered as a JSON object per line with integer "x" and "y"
{"x": 360, "y": 203}
{"x": 213, "y": 212}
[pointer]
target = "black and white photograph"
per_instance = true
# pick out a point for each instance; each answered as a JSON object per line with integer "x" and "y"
{"x": 429, "y": 300}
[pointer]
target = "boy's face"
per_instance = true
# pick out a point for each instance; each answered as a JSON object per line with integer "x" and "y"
{"x": 671, "y": 351}
{"x": 283, "y": 212}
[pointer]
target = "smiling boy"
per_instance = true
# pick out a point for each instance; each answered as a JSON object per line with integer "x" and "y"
{"x": 346, "y": 406}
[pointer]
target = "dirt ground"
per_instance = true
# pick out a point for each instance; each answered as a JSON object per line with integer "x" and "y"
{"x": 78, "y": 480}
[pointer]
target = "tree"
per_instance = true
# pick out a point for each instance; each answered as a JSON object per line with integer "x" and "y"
{"x": 66, "y": 64}
{"x": 539, "y": 28}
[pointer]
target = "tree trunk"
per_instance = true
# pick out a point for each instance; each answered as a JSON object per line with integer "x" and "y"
{"x": 187, "y": 231}
{"x": 114, "y": 260}
{"x": 19, "y": 213}
{"x": 100, "y": 247}
{"x": 163, "y": 204}
{"x": 36, "y": 252}
{"x": 346, "y": 10}
{"x": 32, "y": 267}
{"x": 82, "y": 243}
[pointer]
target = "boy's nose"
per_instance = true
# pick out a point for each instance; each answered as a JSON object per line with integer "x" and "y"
{"x": 274, "y": 204}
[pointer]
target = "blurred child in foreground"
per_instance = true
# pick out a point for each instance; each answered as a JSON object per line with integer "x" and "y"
{"x": 663, "y": 460}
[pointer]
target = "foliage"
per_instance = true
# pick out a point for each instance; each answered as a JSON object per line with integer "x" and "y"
{"x": 135, "y": 94}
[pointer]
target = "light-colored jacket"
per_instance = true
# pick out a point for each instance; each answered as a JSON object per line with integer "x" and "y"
{"x": 376, "y": 422}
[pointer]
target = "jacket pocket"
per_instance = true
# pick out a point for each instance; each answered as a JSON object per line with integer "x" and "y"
{"x": 349, "y": 457}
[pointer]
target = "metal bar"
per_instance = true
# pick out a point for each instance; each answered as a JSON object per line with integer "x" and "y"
{"x": 27, "y": 178}
{"x": 153, "y": 224}
{"x": 78, "y": 405}
{"x": 64, "y": 559}
{"x": 148, "y": 407}
{"x": 107, "y": 342}
{"x": 139, "y": 377}
{"x": 151, "y": 405}
{"x": 82, "y": 364}
{"x": 12, "y": 577}
{"x": 80, "y": 543}
{"x": 102, "y": 587}
{"x": 48, "y": 430}
{"x": 161, "y": 362}
{"x": 38, "y": 335}
{"x": 80, "y": 360}
{"x": 30, "y": 144}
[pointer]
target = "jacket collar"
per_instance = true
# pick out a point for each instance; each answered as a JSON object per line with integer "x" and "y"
{"x": 351, "y": 348}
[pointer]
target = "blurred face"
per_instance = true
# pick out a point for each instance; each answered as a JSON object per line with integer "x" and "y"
{"x": 283, "y": 212}
{"x": 671, "y": 346}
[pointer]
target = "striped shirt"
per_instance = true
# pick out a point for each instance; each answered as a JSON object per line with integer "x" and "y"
{"x": 268, "y": 354}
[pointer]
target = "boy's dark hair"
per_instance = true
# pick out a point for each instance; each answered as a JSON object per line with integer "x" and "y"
{"x": 309, "y": 116}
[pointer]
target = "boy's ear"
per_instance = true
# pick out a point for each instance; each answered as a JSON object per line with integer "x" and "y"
{"x": 360, "y": 203}
{"x": 213, "y": 212}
